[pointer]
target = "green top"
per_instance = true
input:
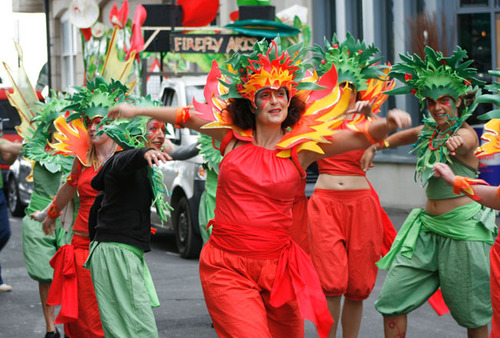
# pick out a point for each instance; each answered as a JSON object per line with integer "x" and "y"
{"x": 437, "y": 189}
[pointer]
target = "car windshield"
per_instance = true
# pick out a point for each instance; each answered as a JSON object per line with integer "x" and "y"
{"x": 10, "y": 117}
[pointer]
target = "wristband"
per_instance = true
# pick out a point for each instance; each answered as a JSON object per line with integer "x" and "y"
{"x": 498, "y": 192}
{"x": 384, "y": 144}
{"x": 464, "y": 184}
{"x": 182, "y": 116}
{"x": 52, "y": 212}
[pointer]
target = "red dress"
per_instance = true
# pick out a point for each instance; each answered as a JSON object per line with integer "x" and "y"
{"x": 257, "y": 282}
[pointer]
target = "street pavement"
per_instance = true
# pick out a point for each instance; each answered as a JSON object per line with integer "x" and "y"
{"x": 182, "y": 312}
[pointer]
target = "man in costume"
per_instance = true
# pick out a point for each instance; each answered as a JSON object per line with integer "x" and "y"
{"x": 257, "y": 282}
{"x": 347, "y": 225}
{"x": 446, "y": 244}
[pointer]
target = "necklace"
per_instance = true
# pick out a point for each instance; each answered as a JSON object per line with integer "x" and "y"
{"x": 97, "y": 164}
{"x": 431, "y": 147}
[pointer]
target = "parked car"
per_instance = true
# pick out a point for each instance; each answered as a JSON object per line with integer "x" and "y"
{"x": 185, "y": 180}
{"x": 17, "y": 190}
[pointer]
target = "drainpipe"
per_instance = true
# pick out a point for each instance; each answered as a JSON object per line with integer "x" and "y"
{"x": 49, "y": 56}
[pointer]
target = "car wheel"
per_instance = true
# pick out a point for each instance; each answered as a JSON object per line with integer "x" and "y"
{"x": 188, "y": 243}
{"x": 15, "y": 206}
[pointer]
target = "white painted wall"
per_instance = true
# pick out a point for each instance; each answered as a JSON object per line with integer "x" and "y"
{"x": 395, "y": 185}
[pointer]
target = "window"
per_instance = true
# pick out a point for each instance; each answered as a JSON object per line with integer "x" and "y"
{"x": 473, "y": 3}
{"x": 68, "y": 53}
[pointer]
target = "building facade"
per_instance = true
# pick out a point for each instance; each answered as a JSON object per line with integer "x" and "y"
{"x": 394, "y": 26}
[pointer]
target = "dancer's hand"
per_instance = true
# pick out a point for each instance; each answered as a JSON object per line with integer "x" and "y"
{"x": 367, "y": 159}
{"x": 454, "y": 143}
{"x": 362, "y": 107}
{"x": 122, "y": 111}
{"x": 39, "y": 215}
{"x": 49, "y": 226}
{"x": 153, "y": 157}
{"x": 444, "y": 171}
{"x": 397, "y": 118}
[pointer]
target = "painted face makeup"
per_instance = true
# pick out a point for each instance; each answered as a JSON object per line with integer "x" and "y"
{"x": 156, "y": 133}
{"x": 446, "y": 101}
{"x": 94, "y": 121}
{"x": 270, "y": 96}
{"x": 443, "y": 110}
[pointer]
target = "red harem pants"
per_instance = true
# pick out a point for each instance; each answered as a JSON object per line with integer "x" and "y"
{"x": 346, "y": 237}
{"x": 495, "y": 288}
{"x": 237, "y": 292}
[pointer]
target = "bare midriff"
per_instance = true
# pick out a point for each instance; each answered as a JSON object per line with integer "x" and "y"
{"x": 341, "y": 182}
{"x": 439, "y": 207}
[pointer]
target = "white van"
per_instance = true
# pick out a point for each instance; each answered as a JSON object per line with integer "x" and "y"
{"x": 185, "y": 180}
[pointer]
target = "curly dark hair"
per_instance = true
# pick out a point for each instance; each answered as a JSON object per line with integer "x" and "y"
{"x": 240, "y": 111}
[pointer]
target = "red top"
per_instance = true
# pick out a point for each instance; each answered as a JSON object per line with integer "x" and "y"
{"x": 87, "y": 196}
{"x": 253, "y": 217}
{"x": 348, "y": 163}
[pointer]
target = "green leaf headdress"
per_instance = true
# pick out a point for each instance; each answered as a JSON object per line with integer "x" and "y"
{"x": 35, "y": 147}
{"x": 435, "y": 76}
{"x": 130, "y": 133}
{"x": 267, "y": 66}
{"x": 353, "y": 59}
{"x": 96, "y": 99}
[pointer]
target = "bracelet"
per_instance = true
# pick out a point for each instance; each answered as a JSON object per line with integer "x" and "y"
{"x": 182, "y": 116}
{"x": 498, "y": 192}
{"x": 384, "y": 144}
{"x": 52, "y": 212}
{"x": 464, "y": 184}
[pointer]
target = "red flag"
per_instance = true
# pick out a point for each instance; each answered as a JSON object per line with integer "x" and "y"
{"x": 197, "y": 13}
{"x": 137, "y": 40}
{"x": 119, "y": 17}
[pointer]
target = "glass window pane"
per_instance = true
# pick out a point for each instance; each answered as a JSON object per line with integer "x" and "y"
{"x": 474, "y": 35}
{"x": 473, "y": 3}
{"x": 67, "y": 38}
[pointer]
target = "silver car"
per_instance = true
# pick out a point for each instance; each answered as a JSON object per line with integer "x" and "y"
{"x": 185, "y": 180}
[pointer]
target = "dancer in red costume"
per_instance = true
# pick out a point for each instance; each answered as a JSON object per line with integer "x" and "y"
{"x": 79, "y": 311}
{"x": 257, "y": 282}
{"x": 346, "y": 221}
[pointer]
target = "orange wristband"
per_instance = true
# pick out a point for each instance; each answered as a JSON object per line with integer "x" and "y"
{"x": 498, "y": 191}
{"x": 464, "y": 184}
{"x": 52, "y": 212}
{"x": 182, "y": 116}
